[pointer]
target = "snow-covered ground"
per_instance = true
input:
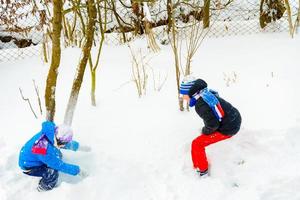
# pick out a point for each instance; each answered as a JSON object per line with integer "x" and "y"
{"x": 141, "y": 146}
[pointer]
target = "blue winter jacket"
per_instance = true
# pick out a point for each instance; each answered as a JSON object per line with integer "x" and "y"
{"x": 53, "y": 155}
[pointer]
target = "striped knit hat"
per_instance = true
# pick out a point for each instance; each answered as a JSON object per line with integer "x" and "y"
{"x": 186, "y": 85}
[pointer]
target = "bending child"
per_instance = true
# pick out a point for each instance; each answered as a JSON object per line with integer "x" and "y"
{"x": 221, "y": 119}
{"x": 41, "y": 155}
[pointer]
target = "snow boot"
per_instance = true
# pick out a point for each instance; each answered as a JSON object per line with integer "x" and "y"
{"x": 202, "y": 174}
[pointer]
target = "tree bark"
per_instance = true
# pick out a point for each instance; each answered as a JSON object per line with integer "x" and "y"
{"x": 137, "y": 10}
{"x": 86, "y": 50}
{"x": 93, "y": 69}
{"x": 206, "y": 14}
{"x": 55, "y": 60}
{"x": 169, "y": 11}
{"x": 93, "y": 88}
{"x": 174, "y": 44}
{"x": 297, "y": 22}
{"x": 118, "y": 20}
{"x": 288, "y": 9}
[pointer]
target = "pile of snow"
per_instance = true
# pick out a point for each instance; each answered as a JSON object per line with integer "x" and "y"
{"x": 141, "y": 146}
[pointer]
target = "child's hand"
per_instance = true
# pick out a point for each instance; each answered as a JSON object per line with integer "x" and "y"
{"x": 84, "y": 148}
{"x": 83, "y": 173}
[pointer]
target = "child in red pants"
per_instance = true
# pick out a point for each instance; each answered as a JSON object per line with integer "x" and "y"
{"x": 221, "y": 119}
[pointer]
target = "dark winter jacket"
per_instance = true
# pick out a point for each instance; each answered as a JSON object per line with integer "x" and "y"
{"x": 230, "y": 123}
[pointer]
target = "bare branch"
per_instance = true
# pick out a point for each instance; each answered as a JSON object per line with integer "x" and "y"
{"x": 38, "y": 96}
{"x": 26, "y": 99}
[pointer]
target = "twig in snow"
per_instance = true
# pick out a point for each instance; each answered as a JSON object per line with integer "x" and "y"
{"x": 38, "y": 96}
{"x": 26, "y": 99}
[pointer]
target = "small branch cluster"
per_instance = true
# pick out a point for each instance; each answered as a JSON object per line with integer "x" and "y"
{"x": 29, "y": 103}
{"x": 13, "y": 15}
{"x": 230, "y": 78}
{"x": 158, "y": 80}
{"x": 139, "y": 71}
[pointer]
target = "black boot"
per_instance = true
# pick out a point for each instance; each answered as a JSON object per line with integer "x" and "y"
{"x": 203, "y": 173}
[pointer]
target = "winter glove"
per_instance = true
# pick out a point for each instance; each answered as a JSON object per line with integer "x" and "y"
{"x": 83, "y": 174}
{"x": 192, "y": 102}
{"x": 84, "y": 148}
{"x": 73, "y": 145}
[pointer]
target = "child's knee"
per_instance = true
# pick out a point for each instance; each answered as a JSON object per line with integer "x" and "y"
{"x": 50, "y": 174}
{"x": 49, "y": 180}
{"x": 197, "y": 143}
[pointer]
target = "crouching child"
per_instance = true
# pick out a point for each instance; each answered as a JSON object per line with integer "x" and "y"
{"x": 221, "y": 119}
{"x": 41, "y": 155}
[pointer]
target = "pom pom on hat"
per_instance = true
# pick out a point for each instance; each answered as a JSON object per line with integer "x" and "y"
{"x": 64, "y": 133}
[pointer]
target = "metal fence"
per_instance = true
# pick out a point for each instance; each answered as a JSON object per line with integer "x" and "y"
{"x": 240, "y": 17}
{"x": 21, "y": 29}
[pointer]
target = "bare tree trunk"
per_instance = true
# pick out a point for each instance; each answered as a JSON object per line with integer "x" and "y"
{"x": 55, "y": 60}
{"x": 206, "y": 14}
{"x": 118, "y": 20}
{"x": 271, "y": 11}
{"x": 45, "y": 49}
{"x": 102, "y": 25}
{"x": 174, "y": 44}
{"x": 137, "y": 10}
{"x": 90, "y": 29}
{"x": 76, "y": 3}
{"x": 297, "y": 21}
{"x": 288, "y": 9}
{"x": 93, "y": 89}
{"x": 169, "y": 11}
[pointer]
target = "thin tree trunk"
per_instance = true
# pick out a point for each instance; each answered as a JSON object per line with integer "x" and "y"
{"x": 55, "y": 60}
{"x": 174, "y": 44}
{"x": 93, "y": 69}
{"x": 76, "y": 3}
{"x": 297, "y": 22}
{"x": 206, "y": 14}
{"x": 169, "y": 11}
{"x": 93, "y": 89}
{"x": 118, "y": 20}
{"x": 90, "y": 29}
{"x": 288, "y": 9}
{"x": 138, "y": 12}
{"x": 45, "y": 52}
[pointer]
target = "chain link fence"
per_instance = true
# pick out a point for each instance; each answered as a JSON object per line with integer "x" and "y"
{"x": 25, "y": 38}
{"x": 21, "y": 29}
{"x": 241, "y": 18}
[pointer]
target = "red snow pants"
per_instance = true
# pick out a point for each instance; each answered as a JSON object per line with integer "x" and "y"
{"x": 198, "y": 148}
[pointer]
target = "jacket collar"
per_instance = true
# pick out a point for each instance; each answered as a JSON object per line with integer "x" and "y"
{"x": 48, "y": 129}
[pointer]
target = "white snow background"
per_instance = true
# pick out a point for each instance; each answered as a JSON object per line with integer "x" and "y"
{"x": 141, "y": 146}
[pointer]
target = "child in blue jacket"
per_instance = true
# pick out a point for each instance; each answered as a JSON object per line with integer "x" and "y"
{"x": 41, "y": 155}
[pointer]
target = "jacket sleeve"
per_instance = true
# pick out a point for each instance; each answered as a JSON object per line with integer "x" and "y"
{"x": 211, "y": 124}
{"x": 73, "y": 145}
{"x": 52, "y": 160}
